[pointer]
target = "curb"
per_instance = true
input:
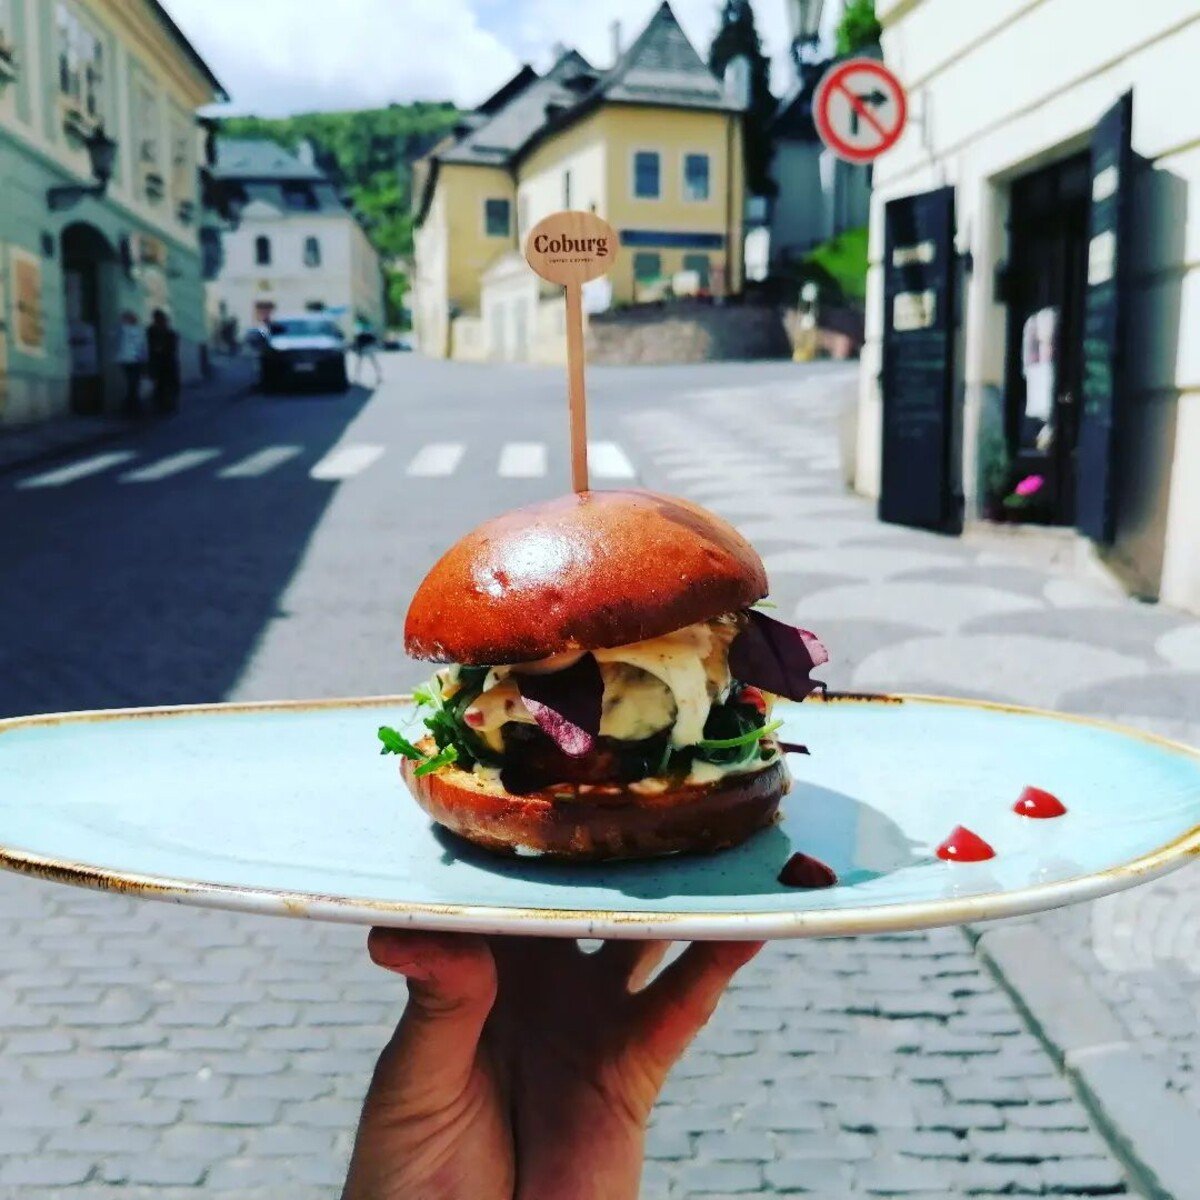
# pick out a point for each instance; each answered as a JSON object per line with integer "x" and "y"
{"x": 1149, "y": 1127}
{"x": 208, "y": 396}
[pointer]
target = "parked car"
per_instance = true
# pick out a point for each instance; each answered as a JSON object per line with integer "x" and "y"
{"x": 302, "y": 350}
{"x": 397, "y": 341}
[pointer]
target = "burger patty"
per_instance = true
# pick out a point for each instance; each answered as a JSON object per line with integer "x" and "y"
{"x": 532, "y": 761}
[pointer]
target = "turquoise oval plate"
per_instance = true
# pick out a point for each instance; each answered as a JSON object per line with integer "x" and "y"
{"x": 288, "y": 809}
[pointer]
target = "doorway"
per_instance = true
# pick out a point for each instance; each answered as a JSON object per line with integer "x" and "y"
{"x": 1044, "y": 290}
{"x": 90, "y": 287}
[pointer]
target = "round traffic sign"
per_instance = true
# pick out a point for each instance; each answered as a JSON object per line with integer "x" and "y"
{"x": 860, "y": 109}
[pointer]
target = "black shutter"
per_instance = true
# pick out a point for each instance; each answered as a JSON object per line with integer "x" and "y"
{"x": 918, "y": 362}
{"x": 1104, "y": 323}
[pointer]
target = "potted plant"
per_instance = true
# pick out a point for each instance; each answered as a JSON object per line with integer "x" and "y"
{"x": 995, "y": 467}
{"x": 1028, "y": 499}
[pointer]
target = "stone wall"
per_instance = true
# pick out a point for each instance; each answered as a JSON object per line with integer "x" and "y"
{"x": 686, "y": 331}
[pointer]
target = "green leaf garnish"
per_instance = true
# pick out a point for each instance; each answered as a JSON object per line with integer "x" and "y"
{"x": 428, "y": 695}
{"x": 745, "y": 739}
{"x": 444, "y": 759}
{"x": 394, "y": 743}
{"x": 764, "y": 604}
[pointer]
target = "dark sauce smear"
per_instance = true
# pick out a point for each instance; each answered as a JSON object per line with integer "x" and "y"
{"x": 1041, "y": 805}
{"x": 804, "y": 871}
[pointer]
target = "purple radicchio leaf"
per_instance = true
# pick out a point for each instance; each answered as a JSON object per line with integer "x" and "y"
{"x": 566, "y": 705}
{"x": 792, "y": 748}
{"x": 776, "y": 657}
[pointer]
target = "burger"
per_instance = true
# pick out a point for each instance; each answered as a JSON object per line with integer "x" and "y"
{"x": 608, "y": 682}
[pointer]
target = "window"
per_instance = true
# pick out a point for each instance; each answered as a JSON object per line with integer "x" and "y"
{"x": 695, "y": 176}
{"x": 566, "y": 189}
{"x": 312, "y": 252}
{"x": 646, "y": 183}
{"x": 647, "y": 266}
{"x": 496, "y": 218}
{"x": 183, "y": 172}
{"x": 80, "y": 63}
{"x": 262, "y": 251}
{"x": 149, "y": 125}
{"x": 299, "y": 196}
{"x": 699, "y": 264}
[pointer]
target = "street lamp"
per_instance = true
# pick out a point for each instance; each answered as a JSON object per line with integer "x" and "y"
{"x": 102, "y": 155}
{"x": 806, "y": 24}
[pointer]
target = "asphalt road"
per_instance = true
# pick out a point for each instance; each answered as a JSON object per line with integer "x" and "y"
{"x": 267, "y": 548}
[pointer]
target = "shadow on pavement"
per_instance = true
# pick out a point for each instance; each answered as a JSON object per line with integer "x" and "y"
{"x": 117, "y": 594}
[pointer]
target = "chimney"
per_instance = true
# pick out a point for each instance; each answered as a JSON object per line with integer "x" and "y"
{"x": 306, "y": 154}
{"x": 615, "y": 30}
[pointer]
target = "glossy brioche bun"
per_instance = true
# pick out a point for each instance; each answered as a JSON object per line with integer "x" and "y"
{"x": 605, "y": 823}
{"x": 582, "y": 572}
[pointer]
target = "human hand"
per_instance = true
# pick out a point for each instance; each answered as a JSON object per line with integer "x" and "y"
{"x": 525, "y": 1069}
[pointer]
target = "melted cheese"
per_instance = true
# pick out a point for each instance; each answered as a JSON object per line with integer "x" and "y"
{"x": 671, "y": 680}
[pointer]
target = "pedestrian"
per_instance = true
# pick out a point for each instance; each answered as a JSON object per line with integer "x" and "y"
{"x": 132, "y": 352}
{"x": 526, "y": 1065}
{"x": 365, "y": 342}
{"x": 163, "y": 358}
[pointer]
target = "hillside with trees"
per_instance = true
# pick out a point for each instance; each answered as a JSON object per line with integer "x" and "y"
{"x": 368, "y": 154}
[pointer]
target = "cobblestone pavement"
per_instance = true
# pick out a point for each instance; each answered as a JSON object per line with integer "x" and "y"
{"x": 155, "y": 1051}
{"x": 982, "y": 617}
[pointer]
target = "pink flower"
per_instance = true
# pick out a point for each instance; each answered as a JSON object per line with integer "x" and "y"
{"x": 1029, "y": 485}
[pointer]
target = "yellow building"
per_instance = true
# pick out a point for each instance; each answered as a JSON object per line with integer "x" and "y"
{"x": 653, "y": 145}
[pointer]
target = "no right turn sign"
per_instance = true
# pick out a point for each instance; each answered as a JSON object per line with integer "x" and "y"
{"x": 860, "y": 109}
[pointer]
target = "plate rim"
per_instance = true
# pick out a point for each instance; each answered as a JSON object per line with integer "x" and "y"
{"x": 607, "y": 923}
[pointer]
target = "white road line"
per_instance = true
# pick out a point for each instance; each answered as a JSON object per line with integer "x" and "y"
{"x": 342, "y": 462}
{"x": 523, "y": 460}
{"x": 77, "y": 470}
{"x": 173, "y": 464}
{"x": 438, "y": 458}
{"x": 606, "y": 460}
{"x": 260, "y": 462}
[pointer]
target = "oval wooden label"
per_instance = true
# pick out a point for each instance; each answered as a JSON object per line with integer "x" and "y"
{"x": 571, "y": 247}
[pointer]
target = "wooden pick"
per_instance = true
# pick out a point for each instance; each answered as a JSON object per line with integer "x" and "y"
{"x": 570, "y": 248}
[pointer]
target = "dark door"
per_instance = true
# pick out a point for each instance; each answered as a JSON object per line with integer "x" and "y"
{"x": 918, "y": 362}
{"x": 1104, "y": 322}
{"x": 1044, "y": 292}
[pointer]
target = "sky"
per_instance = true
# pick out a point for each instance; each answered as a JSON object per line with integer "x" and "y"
{"x": 277, "y": 57}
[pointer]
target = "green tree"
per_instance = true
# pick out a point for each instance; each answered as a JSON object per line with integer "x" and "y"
{"x": 858, "y": 27}
{"x": 737, "y": 37}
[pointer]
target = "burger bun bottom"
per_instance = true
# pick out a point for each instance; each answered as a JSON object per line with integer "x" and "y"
{"x": 602, "y": 821}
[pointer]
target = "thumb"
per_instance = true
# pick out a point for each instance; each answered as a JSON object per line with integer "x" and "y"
{"x": 451, "y": 990}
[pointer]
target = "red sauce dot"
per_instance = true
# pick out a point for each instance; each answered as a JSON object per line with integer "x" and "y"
{"x": 964, "y": 846}
{"x": 803, "y": 871}
{"x": 1036, "y": 803}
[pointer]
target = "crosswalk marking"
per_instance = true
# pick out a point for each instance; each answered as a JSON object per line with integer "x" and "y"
{"x": 344, "y": 461}
{"x": 77, "y": 470}
{"x": 523, "y": 460}
{"x": 173, "y": 464}
{"x": 438, "y": 458}
{"x": 606, "y": 460}
{"x": 260, "y": 462}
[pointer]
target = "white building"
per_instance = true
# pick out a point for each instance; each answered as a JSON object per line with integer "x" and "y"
{"x": 296, "y": 247}
{"x": 1034, "y": 295}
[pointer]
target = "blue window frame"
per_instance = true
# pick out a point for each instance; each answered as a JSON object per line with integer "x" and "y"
{"x": 647, "y": 174}
{"x": 695, "y": 177}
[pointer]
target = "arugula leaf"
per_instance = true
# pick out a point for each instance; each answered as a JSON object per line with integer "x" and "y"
{"x": 745, "y": 739}
{"x": 393, "y": 743}
{"x": 428, "y": 695}
{"x": 444, "y": 759}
